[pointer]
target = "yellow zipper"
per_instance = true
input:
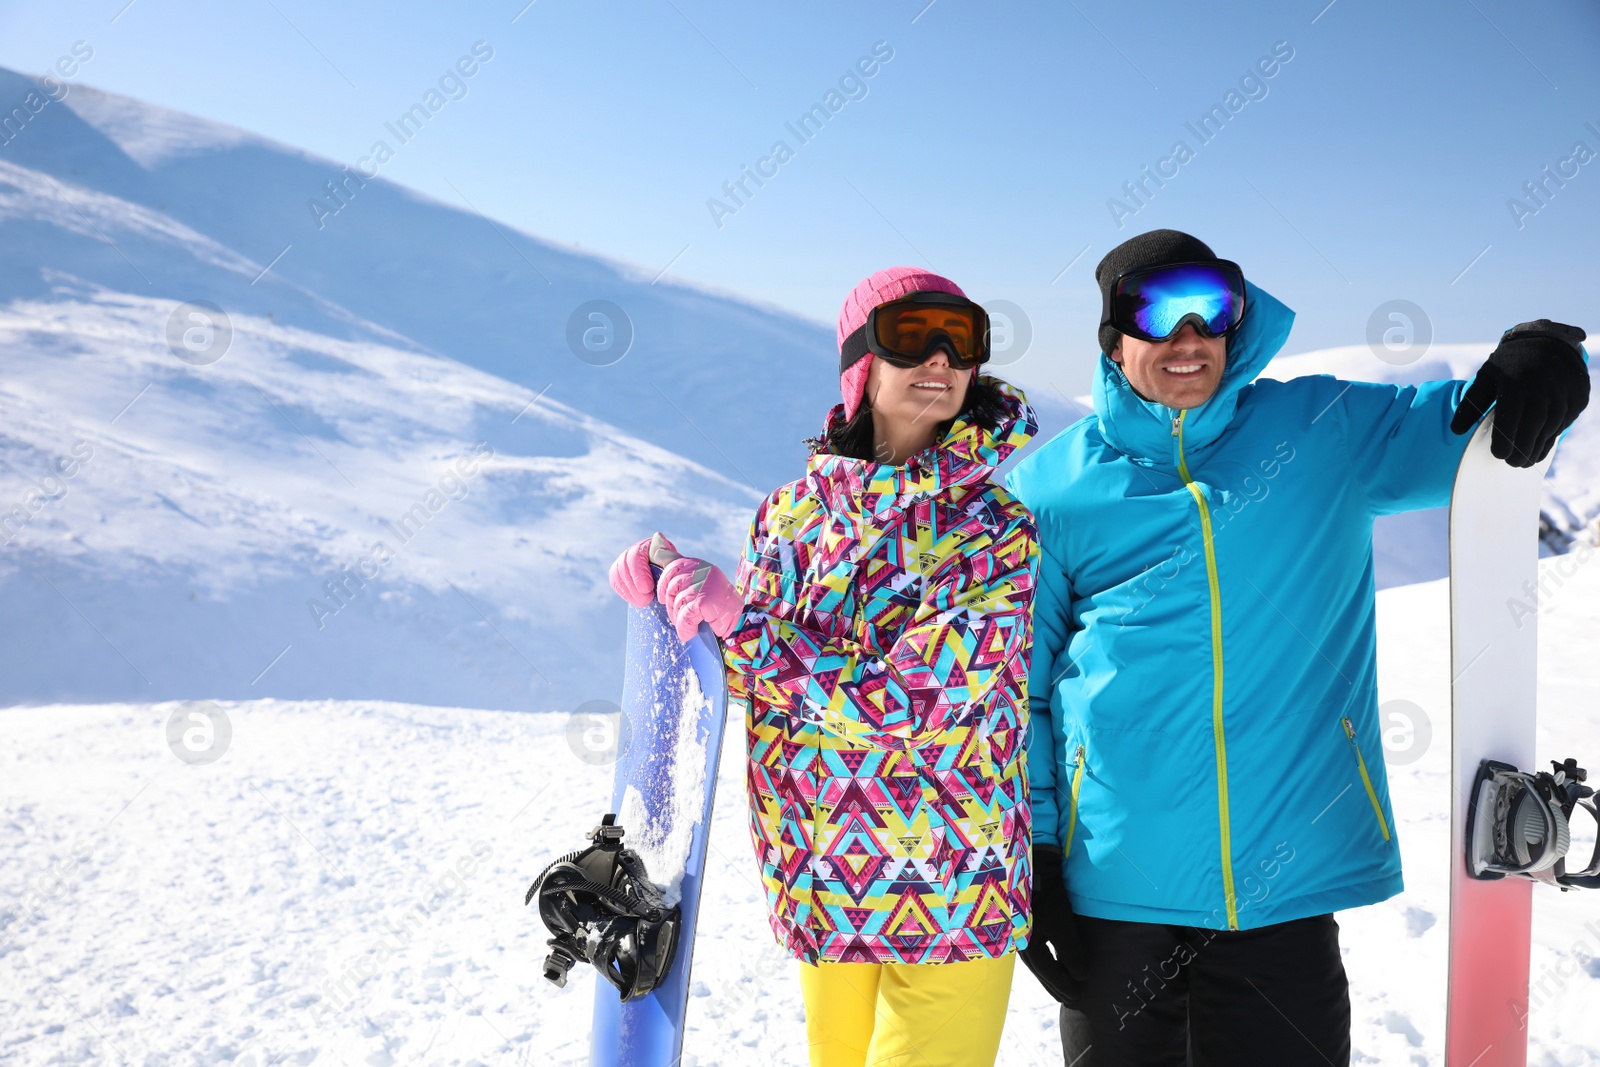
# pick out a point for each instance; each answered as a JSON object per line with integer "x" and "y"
{"x": 1229, "y": 899}
{"x": 1072, "y": 812}
{"x": 1366, "y": 779}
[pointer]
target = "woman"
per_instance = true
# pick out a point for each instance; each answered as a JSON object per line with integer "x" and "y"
{"x": 880, "y": 632}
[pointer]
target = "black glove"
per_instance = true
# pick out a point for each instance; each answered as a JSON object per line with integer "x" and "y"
{"x": 1538, "y": 383}
{"x": 1055, "y": 953}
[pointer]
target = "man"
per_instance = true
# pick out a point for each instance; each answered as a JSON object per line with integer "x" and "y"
{"x": 1206, "y": 767}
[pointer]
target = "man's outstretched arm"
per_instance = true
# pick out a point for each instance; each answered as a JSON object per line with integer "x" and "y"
{"x": 1406, "y": 441}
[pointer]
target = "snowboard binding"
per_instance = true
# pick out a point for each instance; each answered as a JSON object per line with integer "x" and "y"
{"x": 604, "y": 910}
{"x": 1519, "y": 824}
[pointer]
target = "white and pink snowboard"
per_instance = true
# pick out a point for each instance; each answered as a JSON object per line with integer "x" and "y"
{"x": 1494, "y": 550}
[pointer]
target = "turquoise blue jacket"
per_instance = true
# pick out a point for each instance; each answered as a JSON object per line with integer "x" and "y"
{"x": 1205, "y": 741}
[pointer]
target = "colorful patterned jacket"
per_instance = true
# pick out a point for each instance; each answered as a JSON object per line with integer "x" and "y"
{"x": 883, "y": 652}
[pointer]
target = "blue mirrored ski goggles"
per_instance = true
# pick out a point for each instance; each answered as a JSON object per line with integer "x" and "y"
{"x": 1154, "y": 303}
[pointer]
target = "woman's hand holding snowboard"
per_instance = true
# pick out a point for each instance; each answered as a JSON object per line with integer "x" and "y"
{"x": 692, "y": 590}
{"x": 631, "y": 577}
{"x": 695, "y": 591}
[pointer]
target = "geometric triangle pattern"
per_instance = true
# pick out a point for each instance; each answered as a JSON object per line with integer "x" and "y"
{"x": 883, "y": 658}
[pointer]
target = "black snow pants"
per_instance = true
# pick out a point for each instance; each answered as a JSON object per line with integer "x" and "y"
{"x": 1182, "y": 996}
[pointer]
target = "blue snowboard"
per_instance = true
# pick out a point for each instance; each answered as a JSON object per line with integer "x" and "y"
{"x": 648, "y": 1031}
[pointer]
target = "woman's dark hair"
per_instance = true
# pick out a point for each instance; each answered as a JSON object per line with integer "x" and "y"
{"x": 985, "y": 406}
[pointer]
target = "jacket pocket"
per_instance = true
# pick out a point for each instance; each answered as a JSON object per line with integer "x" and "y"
{"x": 1366, "y": 779}
{"x": 1072, "y": 806}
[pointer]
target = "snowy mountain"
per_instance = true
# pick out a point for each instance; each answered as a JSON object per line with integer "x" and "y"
{"x": 439, "y": 277}
{"x": 233, "y": 465}
{"x": 351, "y": 505}
{"x": 385, "y": 452}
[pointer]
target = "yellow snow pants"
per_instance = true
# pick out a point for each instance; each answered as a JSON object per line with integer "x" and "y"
{"x": 906, "y": 1015}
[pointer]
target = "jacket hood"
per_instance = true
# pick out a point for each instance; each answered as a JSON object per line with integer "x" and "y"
{"x": 1142, "y": 429}
{"x": 967, "y": 453}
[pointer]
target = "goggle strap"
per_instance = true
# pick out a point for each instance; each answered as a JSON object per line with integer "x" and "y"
{"x": 854, "y": 348}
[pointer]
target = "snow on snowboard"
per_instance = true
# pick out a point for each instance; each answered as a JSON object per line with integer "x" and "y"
{"x": 628, "y": 903}
{"x": 1508, "y": 828}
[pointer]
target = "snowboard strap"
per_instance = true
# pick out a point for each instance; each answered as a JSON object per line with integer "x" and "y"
{"x": 1589, "y": 877}
{"x": 604, "y": 910}
{"x": 1519, "y": 824}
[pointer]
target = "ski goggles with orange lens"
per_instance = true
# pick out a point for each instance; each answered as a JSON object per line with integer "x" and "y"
{"x": 907, "y": 332}
{"x": 1155, "y": 303}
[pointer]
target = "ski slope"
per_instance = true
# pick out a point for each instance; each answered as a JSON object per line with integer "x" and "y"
{"x": 345, "y": 885}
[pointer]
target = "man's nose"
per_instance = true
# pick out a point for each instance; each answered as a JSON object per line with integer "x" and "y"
{"x": 1187, "y": 339}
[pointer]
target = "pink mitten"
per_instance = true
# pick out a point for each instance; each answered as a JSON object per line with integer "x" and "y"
{"x": 694, "y": 591}
{"x": 630, "y": 573}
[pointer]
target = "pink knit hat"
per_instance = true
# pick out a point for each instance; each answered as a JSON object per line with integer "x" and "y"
{"x": 880, "y": 288}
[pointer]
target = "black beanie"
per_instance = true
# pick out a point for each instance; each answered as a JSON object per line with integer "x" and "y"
{"x": 1146, "y": 250}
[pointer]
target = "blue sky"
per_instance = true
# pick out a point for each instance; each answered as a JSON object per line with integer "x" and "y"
{"x": 1376, "y": 163}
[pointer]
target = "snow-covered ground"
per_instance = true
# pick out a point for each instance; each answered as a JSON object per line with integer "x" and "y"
{"x": 344, "y": 884}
